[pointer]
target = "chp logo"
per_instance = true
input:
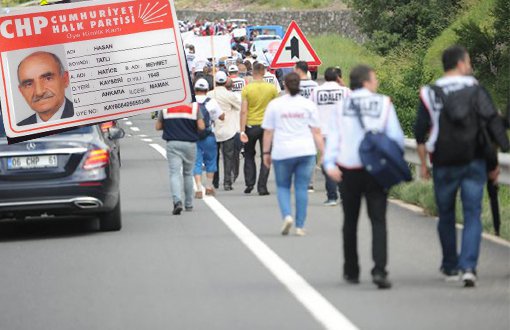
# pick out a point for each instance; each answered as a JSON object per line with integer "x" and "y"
{"x": 152, "y": 15}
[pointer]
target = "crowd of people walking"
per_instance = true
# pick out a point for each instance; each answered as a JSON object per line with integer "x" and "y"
{"x": 299, "y": 125}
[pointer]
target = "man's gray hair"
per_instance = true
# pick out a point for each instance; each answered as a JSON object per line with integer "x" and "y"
{"x": 62, "y": 69}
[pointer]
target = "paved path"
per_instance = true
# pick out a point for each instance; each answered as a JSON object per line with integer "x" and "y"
{"x": 193, "y": 272}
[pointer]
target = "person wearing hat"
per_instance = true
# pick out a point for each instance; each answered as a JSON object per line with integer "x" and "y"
{"x": 238, "y": 83}
{"x": 207, "y": 151}
{"x": 226, "y": 130}
{"x": 180, "y": 126}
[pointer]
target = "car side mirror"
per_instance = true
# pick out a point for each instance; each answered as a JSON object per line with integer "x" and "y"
{"x": 116, "y": 133}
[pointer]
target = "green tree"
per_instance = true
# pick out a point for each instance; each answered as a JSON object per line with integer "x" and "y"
{"x": 489, "y": 48}
{"x": 392, "y": 23}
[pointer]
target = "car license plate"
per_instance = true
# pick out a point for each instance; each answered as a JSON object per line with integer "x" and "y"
{"x": 31, "y": 162}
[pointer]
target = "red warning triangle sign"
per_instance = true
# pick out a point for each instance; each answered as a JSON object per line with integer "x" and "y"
{"x": 294, "y": 48}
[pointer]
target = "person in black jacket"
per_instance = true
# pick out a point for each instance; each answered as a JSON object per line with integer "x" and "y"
{"x": 449, "y": 124}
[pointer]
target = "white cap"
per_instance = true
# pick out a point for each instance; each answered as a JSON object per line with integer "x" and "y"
{"x": 221, "y": 77}
{"x": 233, "y": 68}
{"x": 202, "y": 85}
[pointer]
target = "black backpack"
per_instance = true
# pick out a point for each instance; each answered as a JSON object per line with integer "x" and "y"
{"x": 457, "y": 142}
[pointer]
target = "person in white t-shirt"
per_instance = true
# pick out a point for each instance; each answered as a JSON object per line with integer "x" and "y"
{"x": 238, "y": 83}
{"x": 271, "y": 78}
{"x": 306, "y": 87}
{"x": 207, "y": 151}
{"x": 328, "y": 98}
{"x": 291, "y": 138}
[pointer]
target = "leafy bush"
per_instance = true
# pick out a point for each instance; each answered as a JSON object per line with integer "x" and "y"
{"x": 390, "y": 24}
{"x": 489, "y": 48}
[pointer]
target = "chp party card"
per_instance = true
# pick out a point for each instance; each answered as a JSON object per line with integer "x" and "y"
{"x": 64, "y": 66}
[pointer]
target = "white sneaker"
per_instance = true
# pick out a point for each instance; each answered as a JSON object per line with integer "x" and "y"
{"x": 469, "y": 279}
{"x": 300, "y": 232}
{"x": 287, "y": 225}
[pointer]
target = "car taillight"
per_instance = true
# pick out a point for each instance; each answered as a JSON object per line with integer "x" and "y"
{"x": 96, "y": 159}
{"x": 106, "y": 126}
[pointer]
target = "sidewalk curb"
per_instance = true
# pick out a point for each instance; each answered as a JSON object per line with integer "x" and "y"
{"x": 420, "y": 210}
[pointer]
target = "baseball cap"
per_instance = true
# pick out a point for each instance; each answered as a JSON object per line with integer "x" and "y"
{"x": 221, "y": 77}
{"x": 202, "y": 85}
{"x": 233, "y": 68}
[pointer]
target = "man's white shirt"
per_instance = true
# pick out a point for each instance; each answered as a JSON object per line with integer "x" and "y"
{"x": 306, "y": 87}
{"x": 328, "y": 98}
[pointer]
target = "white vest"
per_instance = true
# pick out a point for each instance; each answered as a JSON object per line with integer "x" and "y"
{"x": 375, "y": 109}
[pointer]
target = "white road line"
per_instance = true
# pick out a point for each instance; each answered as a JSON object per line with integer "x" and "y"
{"x": 320, "y": 308}
{"x": 147, "y": 140}
{"x": 159, "y": 149}
{"x": 142, "y": 136}
{"x": 135, "y": 129}
{"x": 128, "y": 123}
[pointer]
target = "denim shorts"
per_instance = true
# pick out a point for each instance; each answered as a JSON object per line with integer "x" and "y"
{"x": 207, "y": 153}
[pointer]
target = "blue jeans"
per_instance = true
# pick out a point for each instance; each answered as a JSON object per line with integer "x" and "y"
{"x": 181, "y": 159}
{"x": 300, "y": 169}
{"x": 470, "y": 179}
{"x": 207, "y": 153}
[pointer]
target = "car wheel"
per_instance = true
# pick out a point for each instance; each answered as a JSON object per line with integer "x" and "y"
{"x": 111, "y": 221}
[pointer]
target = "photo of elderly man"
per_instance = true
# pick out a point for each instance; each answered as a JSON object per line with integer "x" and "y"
{"x": 42, "y": 81}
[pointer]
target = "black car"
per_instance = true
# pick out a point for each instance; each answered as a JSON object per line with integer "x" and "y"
{"x": 70, "y": 173}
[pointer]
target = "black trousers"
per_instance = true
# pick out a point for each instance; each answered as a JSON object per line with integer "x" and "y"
{"x": 254, "y": 133}
{"x": 355, "y": 185}
{"x": 230, "y": 162}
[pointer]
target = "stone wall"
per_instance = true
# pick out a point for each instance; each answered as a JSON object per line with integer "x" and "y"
{"x": 311, "y": 22}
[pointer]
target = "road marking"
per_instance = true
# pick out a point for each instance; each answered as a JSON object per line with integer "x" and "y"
{"x": 128, "y": 123}
{"x": 320, "y": 308}
{"x": 159, "y": 149}
{"x": 147, "y": 140}
{"x": 135, "y": 129}
{"x": 142, "y": 136}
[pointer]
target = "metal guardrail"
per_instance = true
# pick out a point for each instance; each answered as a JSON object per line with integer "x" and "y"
{"x": 411, "y": 155}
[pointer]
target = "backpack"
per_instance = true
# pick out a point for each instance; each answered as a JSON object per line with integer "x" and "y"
{"x": 207, "y": 120}
{"x": 458, "y": 137}
{"x": 382, "y": 157}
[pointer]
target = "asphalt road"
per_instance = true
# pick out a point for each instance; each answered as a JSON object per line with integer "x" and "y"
{"x": 193, "y": 272}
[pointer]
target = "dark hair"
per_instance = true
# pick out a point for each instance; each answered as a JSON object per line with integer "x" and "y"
{"x": 338, "y": 71}
{"x": 249, "y": 66}
{"x": 330, "y": 74}
{"x": 452, "y": 55}
{"x": 302, "y": 65}
{"x": 292, "y": 82}
{"x": 359, "y": 75}
{"x": 259, "y": 68}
